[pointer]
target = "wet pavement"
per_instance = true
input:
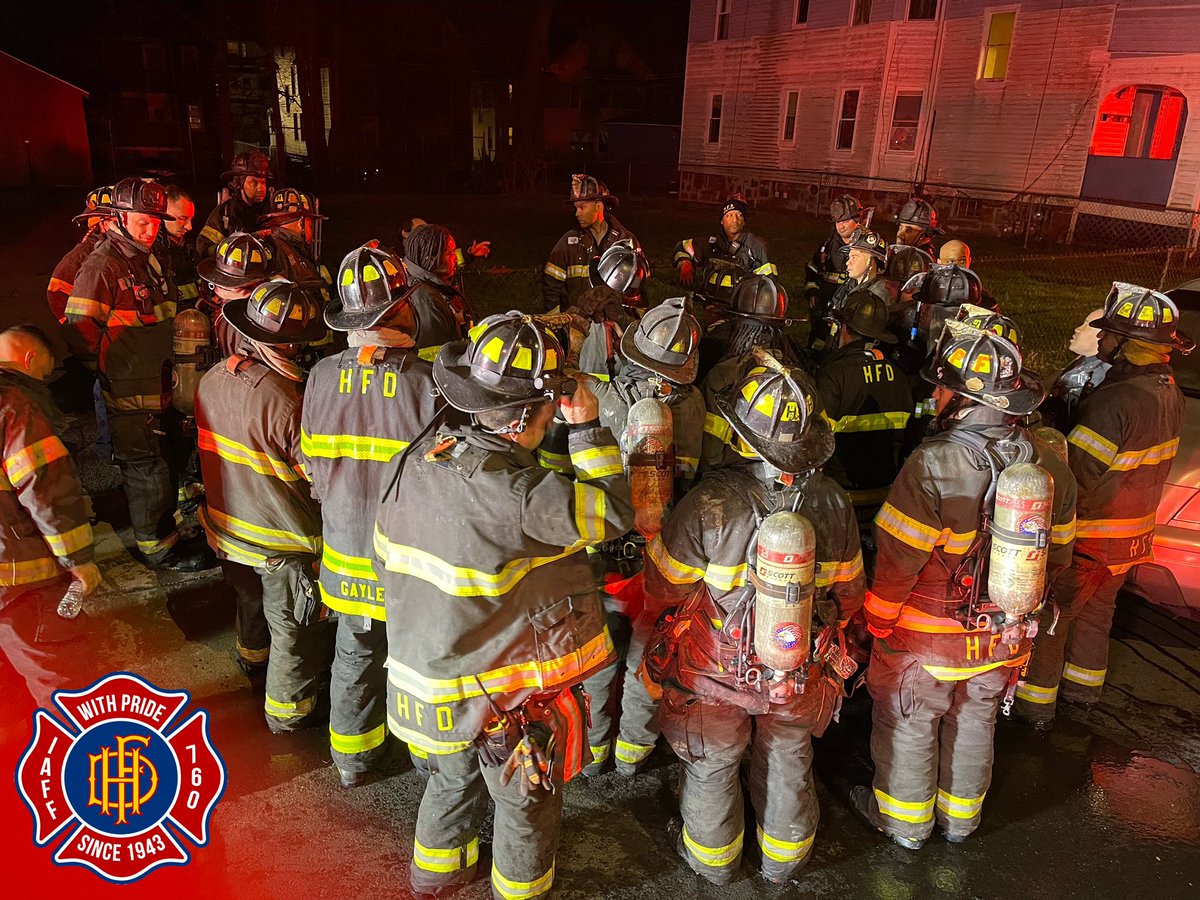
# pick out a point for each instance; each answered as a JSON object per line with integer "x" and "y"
{"x": 1108, "y": 805}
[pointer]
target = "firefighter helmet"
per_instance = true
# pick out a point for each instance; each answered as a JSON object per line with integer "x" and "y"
{"x": 98, "y": 204}
{"x": 774, "y": 414}
{"x": 370, "y": 282}
{"x": 846, "y": 207}
{"x": 508, "y": 360}
{"x": 868, "y": 242}
{"x": 253, "y": 162}
{"x": 949, "y": 286}
{"x": 1144, "y": 315}
{"x": 904, "y": 262}
{"x": 760, "y": 297}
{"x": 919, "y": 213}
{"x": 623, "y": 267}
{"x": 665, "y": 341}
{"x": 989, "y": 320}
{"x": 241, "y": 261}
{"x": 277, "y": 312}
{"x": 589, "y": 187}
{"x": 985, "y": 367}
{"x": 719, "y": 279}
{"x": 864, "y": 312}
{"x": 137, "y": 196}
{"x": 290, "y": 204}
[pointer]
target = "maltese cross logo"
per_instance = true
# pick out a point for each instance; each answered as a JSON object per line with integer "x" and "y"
{"x": 125, "y": 778}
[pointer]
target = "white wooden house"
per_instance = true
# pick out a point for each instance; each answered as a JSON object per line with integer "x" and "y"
{"x": 1083, "y": 103}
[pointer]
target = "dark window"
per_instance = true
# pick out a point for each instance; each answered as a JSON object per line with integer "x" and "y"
{"x": 801, "y": 12}
{"x": 723, "y": 9}
{"x": 906, "y": 116}
{"x": 295, "y": 126}
{"x": 861, "y": 12}
{"x": 922, "y": 9}
{"x": 791, "y": 102}
{"x": 846, "y": 119}
{"x": 714, "y": 120}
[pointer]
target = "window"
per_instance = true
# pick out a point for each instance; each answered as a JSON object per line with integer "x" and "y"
{"x": 860, "y": 12}
{"x": 295, "y": 126}
{"x": 714, "y": 119}
{"x": 993, "y": 61}
{"x": 801, "y": 12}
{"x": 1141, "y": 121}
{"x": 159, "y": 108}
{"x": 723, "y": 10}
{"x": 906, "y": 116}
{"x": 922, "y": 9}
{"x": 846, "y": 118}
{"x": 791, "y": 100}
{"x": 195, "y": 119}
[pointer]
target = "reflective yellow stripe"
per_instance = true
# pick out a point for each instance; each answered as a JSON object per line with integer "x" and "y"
{"x": 1063, "y": 534}
{"x": 717, "y": 426}
{"x": 189, "y": 291}
{"x": 555, "y": 272}
{"x": 959, "y": 807}
{"x": 515, "y": 890}
{"x": 784, "y": 851}
{"x": 416, "y": 740}
{"x": 904, "y": 810}
{"x": 578, "y": 272}
{"x": 962, "y": 673}
{"x": 86, "y": 308}
{"x": 1151, "y": 456}
{"x": 906, "y": 529}
{"x": 367, "y": 608}
{"x": 357, "y": 743}
{"x": 632, "y": 753}
{"x": 459, "y": 581}
{"x": 417, "y": 752}
{"x": 238, "y": 453}
{"x": 839, "y": 572}
{"x": 429, "y": 354}
{"x": 70, "y": 541}
{"x": 27, "y": 571}
{"x": 261, "y": 536}
{"x": 600, "y": 754}
{"x": 437, "y": 859}
{"x": 558, "y": 462}
{"x": 252, "y": 656}
{"x": 278, "y": 709}
{"x": 1093, "y": 444}
{"x": 915, "y": 620}
{"x": 725, "y": 578}
{"x": 1087, "y": 677}
{"x": 597, "y": 462}
{"x": 1114, "y": 528}
{"x": 25, "y": 462}
{"x": 343, "y": 564}
{"x": 591, "y": 504}
{"x": 352, "y": 446}
{"x": 766, "y": 269}
{"x": 883, "y": 609}
{"x": 135, "y": 402}
{"x": 953, "y": 542}
{"x": 714, "y": 856}
{"x": 229, "y": 549}
{"x": 62, "y": 287}
{"x": 889, "y": 421}
{"x": 211, "y": 234}
{"x": 1034, "y": 694}
{"x": 668, "y": 566}
{"x": 688, "y": 464}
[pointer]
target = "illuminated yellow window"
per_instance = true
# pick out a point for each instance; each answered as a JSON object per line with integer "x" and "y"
{"x": 993, "y": 61}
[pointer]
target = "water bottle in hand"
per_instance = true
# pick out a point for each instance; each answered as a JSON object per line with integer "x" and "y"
{"x": 72, "y": 601}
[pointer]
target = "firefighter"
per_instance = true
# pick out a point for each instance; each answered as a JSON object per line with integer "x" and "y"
{"x": 757, "y": 318}
{"x": 717, "y": 699}
{"x": 1120, "y": 448}
{"x": 944, "y": 657}
{"x": 1082, "y": 376}
{"x": 293, "y": 218}
{"x": 733, "y": 243}
{"x": 660, "y": 363}
{"x": 866, "y": 261}
{"x": 566, "y": 273}
{"x": 240, "y": 263}
{"x": 248, "y": 188}
{"x": 361, "y": 407}
{"x": 917, "y": 225}
{"x": 615, "y": 301}
{"x": 47, "y": 540}
{"x": 95, "y": 217}
{"x": 443, "y": 313}
{"x": 868, "y": 401}
{"x": 260, "y": 510}
{"x": 121, "y": 315}
{"x": 827, "y": 268}
{"x": 173, "y": 247}
{"x": 954, "y": 253}
{"x": 476, "y": 251}
{"x": 491, "y": 692}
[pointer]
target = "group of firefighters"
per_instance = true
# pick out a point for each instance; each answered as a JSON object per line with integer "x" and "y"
{"x": 525, "y": 544}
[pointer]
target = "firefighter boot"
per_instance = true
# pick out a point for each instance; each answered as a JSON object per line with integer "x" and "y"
{"x": 862, "y": 802}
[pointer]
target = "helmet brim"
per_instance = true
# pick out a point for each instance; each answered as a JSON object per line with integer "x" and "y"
{"x": 607, "y": 199}
{"x": 812, "y": 450}
{"x": 452, "y": 375}
{"x": 235, "y": 312}
{"x": 275, "y": 219}
{"x": 208, "y": 271}
{"x": 682, "y": 374}
{"x": 230, "y": 175}
{"x": 100, "y": 212}
{"x": 1180, "y": 341}
{"x": 1020, "y": 401}
{"x": 885, "y": 336}
{"x": 339, "y": 318}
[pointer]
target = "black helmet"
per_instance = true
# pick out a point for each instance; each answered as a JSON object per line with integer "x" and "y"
{"x": 948, "y": 286}
{"x": 370, "y": 282}
{"x": 774, "y": 414}
{"x": 719, "y": 279}
{"x": 97, "y": 204}
{"x": 1144, "y": 315}
{"x": 589, "y": 187}
{"x": 760, "y": 297}
{"x": 846, "y": 207}
{"x": 864, "y": 312}
{"x": 277, "y": 312}
{"x": 985, "y": 367}
{"x": 665, "y": 341}
{"x": 508, "y": 360}
{"x": 252, "y": 162}
{"x": 989, "y": 320}
{"x": 904, "y": 262}
{"x": 146, "y": 197}
{"x": 290, "y": 204}
{"x": 920, "y": 213}
{"x": 868, "y": 242}
{"x": 241, "y": 260}
{"x": 623, "y": 267}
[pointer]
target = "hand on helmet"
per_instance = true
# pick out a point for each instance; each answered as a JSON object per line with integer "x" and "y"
{"x": 581, "y": 406}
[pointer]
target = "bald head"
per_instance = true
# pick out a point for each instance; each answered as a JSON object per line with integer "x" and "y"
{"x": 955, "y": 253}
{"x": 27, "y": 349}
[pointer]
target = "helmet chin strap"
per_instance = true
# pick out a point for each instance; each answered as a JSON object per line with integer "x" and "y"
{"x": 518, "y": 428}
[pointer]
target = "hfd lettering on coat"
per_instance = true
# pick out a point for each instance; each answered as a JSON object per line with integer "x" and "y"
{"x": 878, "y": 372}
{"x": 414, "y": 711}
{"x": 366, "y": 381}
{"x": 989, "y": 649}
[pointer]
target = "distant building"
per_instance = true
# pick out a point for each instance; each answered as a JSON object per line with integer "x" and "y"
{"x": 1085, "y": 102}
{"x": 43, "y": 139}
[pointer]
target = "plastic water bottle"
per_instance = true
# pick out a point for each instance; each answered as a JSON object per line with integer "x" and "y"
{"x": 72, "y": 601}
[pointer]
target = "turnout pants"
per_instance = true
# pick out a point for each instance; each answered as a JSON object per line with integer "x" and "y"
{"x": 301, "y": 641}
{"x": 525, "y": 832}
{"x": 932, "y": 743}
{"x": 358, "y": 693}
{"x": 709, "y": 737}
{"x": 253, "y": 636}
{"x": 1074, "y": 660}
{"x": 138, "y": 451}
{"x": 638, "y": 727}
{"x": 34, "y": 638}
